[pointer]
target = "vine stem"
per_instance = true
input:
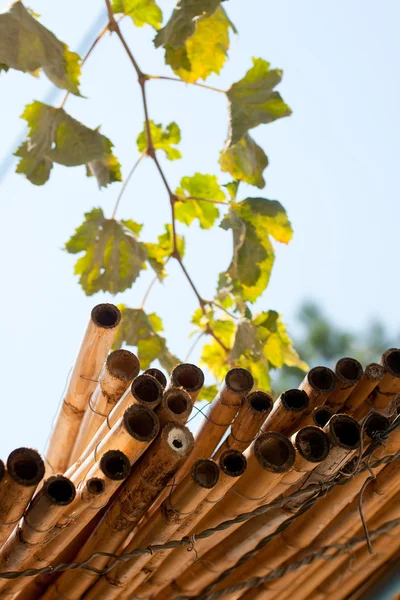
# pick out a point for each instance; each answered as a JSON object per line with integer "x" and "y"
{"x": 150, "y": 151}
{"x": 202, "y": 85}
{"x": 125, "y": 184}
{"x": 203, "y": 200}
{"x": 193, "y": 346}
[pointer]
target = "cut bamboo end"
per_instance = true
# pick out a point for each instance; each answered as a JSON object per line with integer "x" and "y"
{"x": 159, "y": 375}
{"x": 344, "y": 432}
{"x": 59, "y": 490}
{"x": 141, "y": 422}
{"x": 205, "y": 473}
{"x": 176, "y": 406}
{"x": 288, "y": 411}
{"x": 259, "y": 402}
{"x": 106, "y": 316}
{"x": 189, "y": 377}
{"x": 115, "y": 465}
{"x": 95, "y": 486}
{"x": 25, "y": 467}
{"x": 375, "y": 424}
{"x": 232, "y": 463}
{"x": 312, "y": 444}
{"x": 178, "y": 438}
{"x": 239, "y": 381}
{"x": 147, "y": 390}
{"x": 321, "y": 415}
{"x": 123, "y": 365}
{"x": 348, "y": 373}
{"x": 274, "y": 452}
{"x": 295, "y": 400}
{"x": 373, "y": 374}
{"x": 318, "y": 384}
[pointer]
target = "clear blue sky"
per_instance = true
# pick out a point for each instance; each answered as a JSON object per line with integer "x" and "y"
{"x": 333, "y": 165}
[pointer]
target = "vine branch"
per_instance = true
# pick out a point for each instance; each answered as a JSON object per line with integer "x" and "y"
{"x": 125, "y": 184}
{"x": 202, "y": 85}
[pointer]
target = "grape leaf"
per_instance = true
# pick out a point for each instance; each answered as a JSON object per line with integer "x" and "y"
{"x": 142, "y": 330}
{"x": 204, "y": 52}
{"x": 113, "y": 256}
{"x": 268, "y": 216}
{"x": 253, "y": 100}
{"x": 54, "y": 136}
{"x": 182, "y": 23}
{"x": 142, "y": 12}
{"x": 162, "y": 140}
{"x": 158, "y": 254}
{"x": 194, "y": 188}
{"x": 26, "y": 45}
{"x": 245, "y": 161}
{"x": 214, "y": 357}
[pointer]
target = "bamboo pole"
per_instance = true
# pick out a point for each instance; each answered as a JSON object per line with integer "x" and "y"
{"x": 150, "y": 476}
{"x": 189, "y": 377}
{"x": 176, "y": 406}
{"x": 348, "y": 373}
{"x": 387, "y": 388}
{"x": 159, "y": 375}
{"x": 287, "y": 411}
{"x": 145, "y": 390}
{"x": 321, "y": 415}
{"x": 120, "y": 369}
{"x": 318, "y": 384}
{"x": 246, "y": 426}
{"x": 167, "y": 563}
{"x": 373, "y": 374}
{"x": 25, "y": 469}
{"x": 383, "y": 575}
{"x": 95, "y": 346}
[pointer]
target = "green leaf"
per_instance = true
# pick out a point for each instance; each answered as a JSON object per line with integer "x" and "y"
{"x": 245, "y": 161}
{"x": 253, "y": 100}
{"x": 142, "y": 330}
{"x": 142, "y": 12}
{"x": 158, "y": 254}
{"x": 245, "y": 340}
{"x": 162, "y": 140}
{"x": 54, "y": 136}
{"x": 113, "y": 256}
{"x": 26, "y": 45}
{"x": 290, "y": 356}
{"x": 208, "y": 392}
{"x": 193, "y": 189}
{"x": 205, "y": 51}
{"x": 232, "y": 188}
{"x": 215, "y": 359}
{"x": 268, "y": 216}
{"x": 183, "y": 21}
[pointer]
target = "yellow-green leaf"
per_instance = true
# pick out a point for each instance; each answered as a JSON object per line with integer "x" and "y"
{"x": 142, "y": 12}
{"x": 193, "y": 189}
{"x": 215, "y": 359}
{"x": 106, "y": 170}
{"x": 183, "y": 21}
{"x": 26, "y": 45}
{"x": 208, "y": 392}
{"x": 158, "y": 254}
{"x": 162, "y": 139}
{"x": 268, "y": 216}
{"x": 245, "y": 161}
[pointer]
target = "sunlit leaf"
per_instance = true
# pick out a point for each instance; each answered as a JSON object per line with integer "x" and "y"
{"x": 26, "y": 45}
{"x": 113, "y": 256}
{"x": 253, "y": 100}
{"x": 158, "y": 254}
{"x": 268, "y": 216}
{"x": 208, "y": 393}
{"x": 193, "y": 189}
{"x": 204, "y": 52}
{"x": 183, "y": 21}
{"x": 162, "y": 139}
{"x": 245, "y": 340}
{"x": 54, "y": 136}
{"x": 245, "y": 161}
{"x": 142, "y": 330}
{"x": 142, "y": 12}
{"x": 214, "y": 357}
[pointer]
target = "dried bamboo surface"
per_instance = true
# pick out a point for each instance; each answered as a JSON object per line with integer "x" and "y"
{"x": 120, "y": 369}
{"x": 95, "y": 346}
{"x": 176, "y": 406}
{"x": 373, "y": 374}
{"x": 318, "y": 384}
{"x": 348, "y": 373}
{"x": 287, "y": 411}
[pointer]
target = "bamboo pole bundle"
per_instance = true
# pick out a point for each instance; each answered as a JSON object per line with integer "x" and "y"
{"x": 157, "y": 374}
{"x": 312, "y": 446}
{"x": 246, "y": 426}
{"x": 25, "y": 469}
{"x": 167, "y": 563}
{"x": 176, "y": 406}
{"x": 119, "y": 371}
{"x": 348, "y": 373}
{"x": 189, "y": 377}
{"x": 149, "y": 477}
{"x": 95, "y": 346}
{"x": 382, "y": 576}
{"x": 373, "y": 374}
{"x": 145, "y": 390}
{"x": 287, "y": 411}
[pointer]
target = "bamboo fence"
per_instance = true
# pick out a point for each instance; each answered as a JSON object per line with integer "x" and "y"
{"x": 292, "y": 499}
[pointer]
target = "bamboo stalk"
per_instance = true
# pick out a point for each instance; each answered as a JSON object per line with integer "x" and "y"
{"x": 318, "y": 384}
{"x": 189, "y": 377}
{"x": 25, "y": 469}
{"x": 145, "y": 390}
{"x": 348, "y": 374}
{"x": 321, "y": 415}
{"x": 120, "y": 369}
{"x": 383, "y": 575}
{"x": 255, "y": 408}
{"x": 176, "y": 406}
{"x": 168, "y": 563}
{"x": 150, "y": 476}
{"x": 157, "y": 374}
{"x": 287, "y": 411}
{"x": 373, "y": 374}
{"x": 388, "y": 387}
{"x": 95, "y": 346}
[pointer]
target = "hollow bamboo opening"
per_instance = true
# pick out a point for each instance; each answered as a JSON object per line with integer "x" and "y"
{"x": 95, "y": 486}
{"x": 205, "y": 473}
{"x": 321, "y": 415}
{"x": 260, "y": 401}
{"x": 123, "y": 364}
{"x": 374, "y": 371}
{"x": 274, "y": 452}
{"x": 239, "y": 380}
{"x": 391, "y": 361}
{"x": 177, "y": 402}
{"x": 295, "y": 400}
{"x": 188, "y": 376}
{"x": 178, "y": 438}
{"x": 157, "y": 374}
{"x": 345, "y": 431}
{"x": 232, "y": 463}
{"x": 60, "y": 490}
{"x": 115, "y": 465}
{"x": 322, "y": 379}
{"x": 141, "y": 422}
{"x": 146, "y": 389}
{"x": 376, "y": 424}
{"x": 312, "y": 443}
{"x": 349, "y": 369}
{"x": 106, "y": 316}
{"x": 25, "y": 466}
